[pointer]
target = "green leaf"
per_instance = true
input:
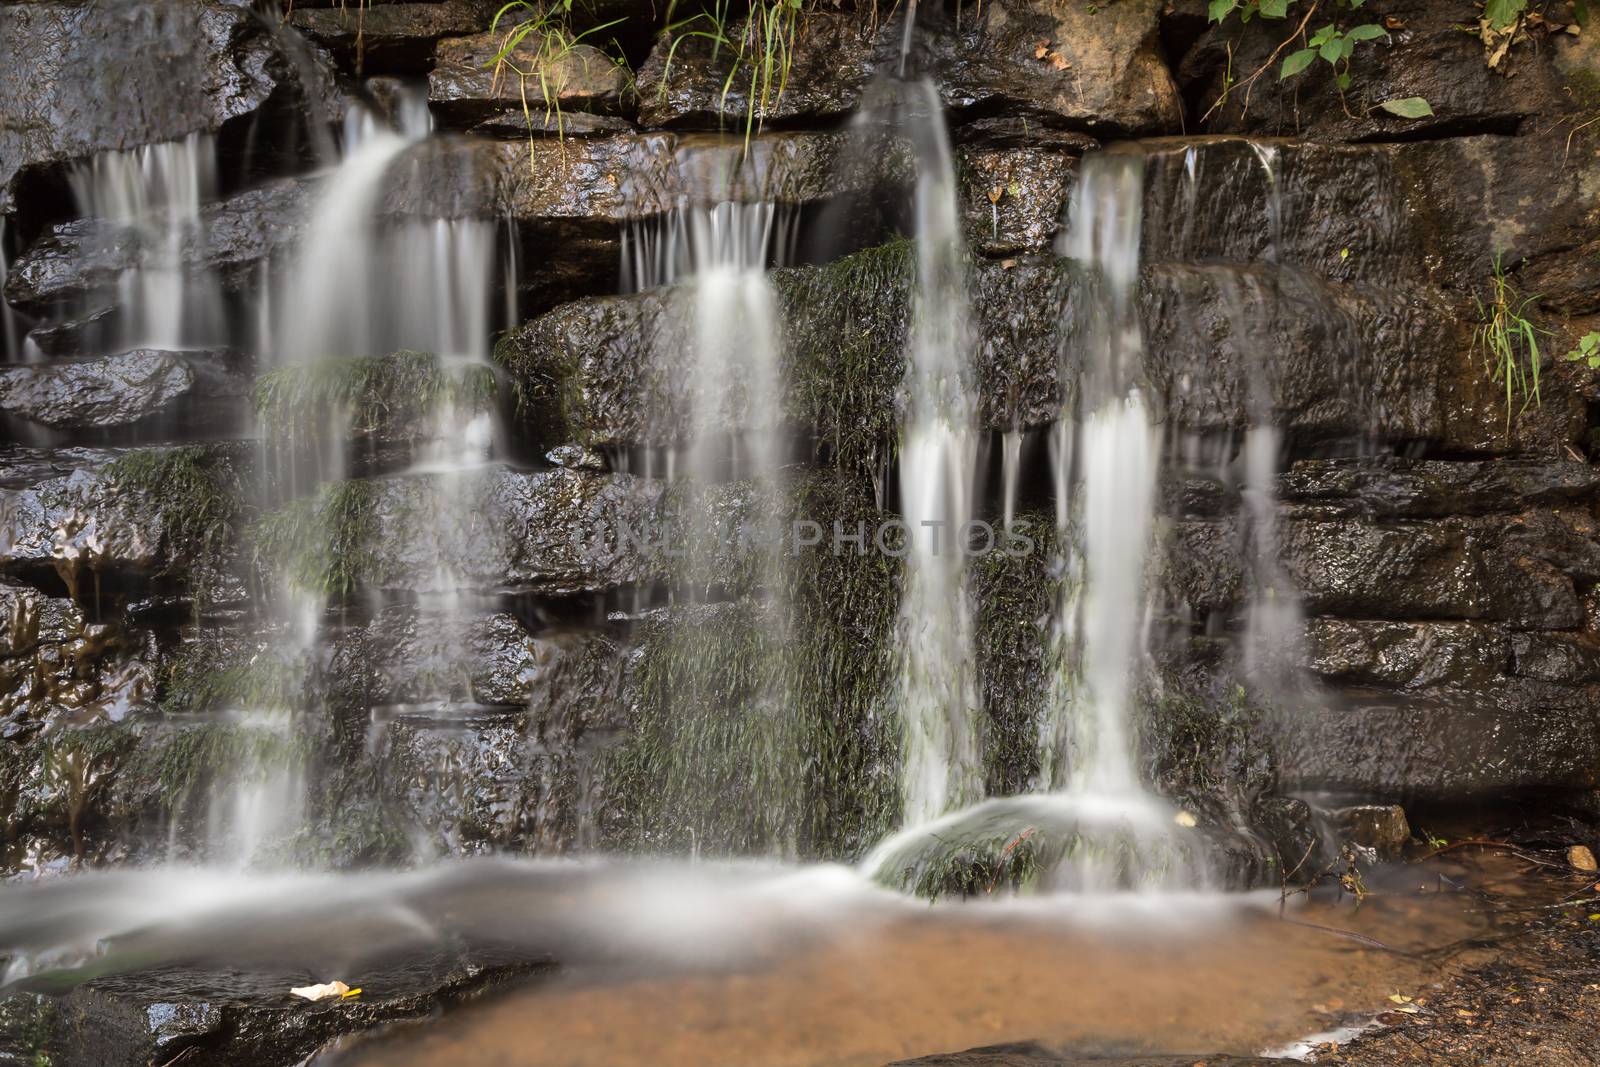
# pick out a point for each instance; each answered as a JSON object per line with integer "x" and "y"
{"x": 1322, "y": 35}
{"x": 1367, "y": 31}
{"x": 1580, "y": 11}
{"x": 1408, "y": 107}
{"x": 1274, "y": 9}
{"x": 1297, "y": 62}
{"x": 1502, "y": 13}
{"x": 1218, "y": 9}
{"x": 1332, "y": 49}
{"x": 1343, "y": 80}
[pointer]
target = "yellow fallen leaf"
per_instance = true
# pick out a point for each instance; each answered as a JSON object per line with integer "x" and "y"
{"x": 1408, "y": 1009}
{"x": 348, "y": 993}
{"x": 1399, "y": 998}
{"x": 1184, "y": 818}
{"x": 320, "y": 992}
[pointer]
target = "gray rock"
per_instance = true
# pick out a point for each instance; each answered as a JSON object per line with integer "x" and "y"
{"x": 466, "y": 85}
{"x": 1014, "y": 199}
{"x": 394, "y": 37}
{"x": 1443, "y": 744}
{"x": 1106, "y": 72}
{"x": 188, "y": 392}
{"x": 1427, "y": 56}
{"x": 1570, "y": 659}
{"x": 830, "y": 65}
{"x": 1400, "y": 655}
{"x": 606, "y": 180}
{"x": 1399, "y": 488}
{"x": 75, "y": 259}
{"x": 80, "y": 79}
{"x": 1101, "y": 69}
{"x": 514, "y": 123}
{"x": 608, "y": 371}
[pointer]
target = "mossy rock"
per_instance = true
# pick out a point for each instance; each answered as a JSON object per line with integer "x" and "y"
{"x": 1041, "y": 842}
{"x": 385, "y": 405}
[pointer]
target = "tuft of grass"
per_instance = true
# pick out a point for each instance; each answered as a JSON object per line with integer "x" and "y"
{"x": 551, "y": 27}
{"x": 1508, "y": 342}
{"x": 761, "y": 51}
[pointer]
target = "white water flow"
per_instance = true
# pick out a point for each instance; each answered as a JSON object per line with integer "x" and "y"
{"x": 363, "y": 286}
{"x": 1010, "y": 472}
{"x": 1274, "y": 620}
{"x": 732, "y": 423}
{"x": 8, "y": 319}
{"x": 149, "y": 198}
{"x": 1095, "y": 827}
{"x": 941, "y": 766}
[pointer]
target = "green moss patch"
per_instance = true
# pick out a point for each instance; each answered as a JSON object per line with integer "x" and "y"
{"x": 199, "y": 493}
{"x": 768, "y": 728}
{"x": 388, "y": 396}
{"x": 325, "y": 543}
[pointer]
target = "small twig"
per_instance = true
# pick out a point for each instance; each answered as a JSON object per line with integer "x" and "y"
{"x": 1371, "y": 942}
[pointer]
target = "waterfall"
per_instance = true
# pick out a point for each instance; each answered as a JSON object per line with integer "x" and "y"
{"x": 150, "y": 197}
{"x": 729, "y": 427}
{"x": 938, "y": 457}
{"x": 1274, "y": 619}
{"x": 361, "y": 287}
{"x": 8, "y": 320}
{"x": 1120, "y": 459}
{"x": 1094, "y": 827}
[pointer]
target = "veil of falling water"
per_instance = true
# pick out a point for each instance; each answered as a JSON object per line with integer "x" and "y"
{"x": 938, "y": 454}
{"x": 150, "y": 197}
{"x": 1096, "y": 828}
{"x": 361, "y": 286}
{"x": 729, "y": 433}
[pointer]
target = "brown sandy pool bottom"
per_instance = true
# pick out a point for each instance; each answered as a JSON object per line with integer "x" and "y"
{"x": 1172, "y": 976}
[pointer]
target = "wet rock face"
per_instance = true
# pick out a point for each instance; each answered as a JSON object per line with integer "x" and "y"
{"x": 832, "y": 63}
{"x": 249, "y": 1020}
{"x": 143, "y": 388}
{"x": 1431, "y": 50}
{"x": 78, "y": 260}
{"x": 467, "y": 85}
{"x": 1448, "y": 630}
{"x": 1096, "y": 70}
{"x": 396, "y": 37}
{"x": 79, "y": 79}
{"x": 58, "y": 667}
{"x": 1087, "y": 67}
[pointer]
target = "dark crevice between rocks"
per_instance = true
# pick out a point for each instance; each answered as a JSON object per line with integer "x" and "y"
{"x": 1448, "y": 129}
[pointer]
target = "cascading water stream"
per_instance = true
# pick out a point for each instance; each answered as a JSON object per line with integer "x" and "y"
{"x": 361, "y": 287}
{"x": 8, "y": 318}
{"x": 151, "y": 197}
{"x": 1094, "y": 827}
{"x": 728, "y": 429}
{"x": 938, "y": 456}
{"x": 1274, "y": 619}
